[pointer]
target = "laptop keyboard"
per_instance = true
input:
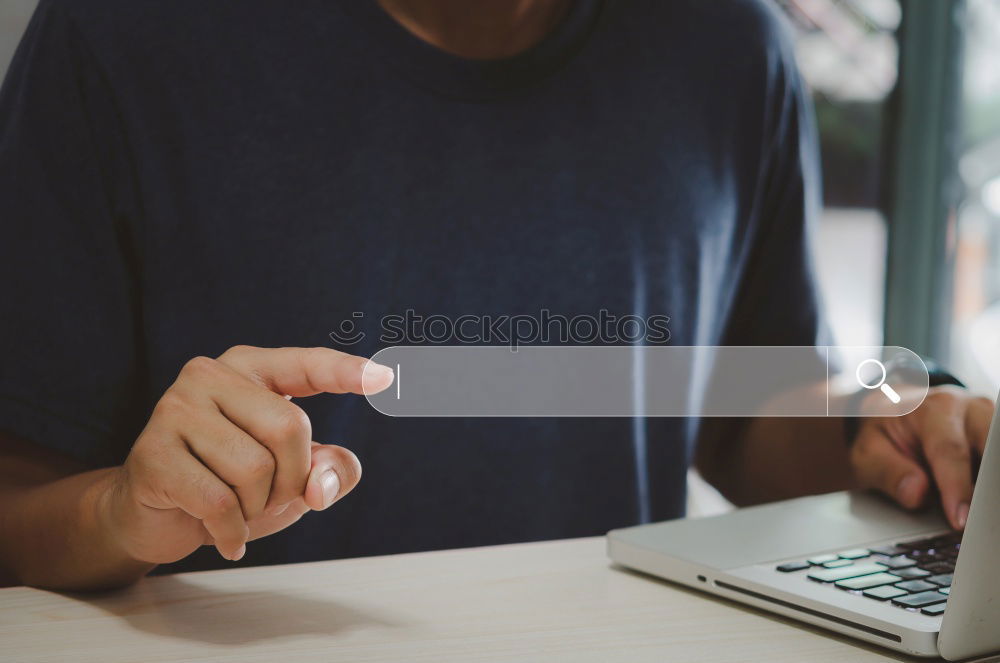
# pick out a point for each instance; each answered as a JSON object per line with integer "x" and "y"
{"x": 914, "y": 575}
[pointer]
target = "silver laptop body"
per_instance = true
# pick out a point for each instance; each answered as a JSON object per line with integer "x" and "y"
{"x": 736, "y": 556}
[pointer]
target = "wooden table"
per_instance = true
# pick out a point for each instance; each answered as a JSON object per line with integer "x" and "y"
{"x": 558, "y": 600}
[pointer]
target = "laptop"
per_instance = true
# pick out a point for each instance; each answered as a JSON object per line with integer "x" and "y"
{"x": 849, "y": 562}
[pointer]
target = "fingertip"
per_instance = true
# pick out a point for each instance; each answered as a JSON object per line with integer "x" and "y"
{"x": 351, "y": 471}
{"x": 239, "y": 553}
{"x": 313, "y": 497}
{"x": 323, "y": 488}
{"x": 961, "y": 516}
{"x": 376, "y": 378}
{"x": 330, "y": 484}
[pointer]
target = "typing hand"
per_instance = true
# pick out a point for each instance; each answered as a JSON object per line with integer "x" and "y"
{"x": 226, "y": 458}
{"x": 937, "y": 445}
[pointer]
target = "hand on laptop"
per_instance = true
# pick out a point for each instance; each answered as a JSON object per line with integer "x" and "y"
{"x": 226, "y": 457}
{"x": 937, "y": 445}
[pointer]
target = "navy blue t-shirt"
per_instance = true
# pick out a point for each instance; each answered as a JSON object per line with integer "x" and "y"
{"x": 179, "y": 176}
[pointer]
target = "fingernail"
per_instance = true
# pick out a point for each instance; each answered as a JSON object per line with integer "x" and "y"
{"x": 330, "y": 483}
{"x": 239, "y": 553}
{"x": 962, "y": 515}
{"x": 377, "y": 376}
{"x": 906, "y": 491}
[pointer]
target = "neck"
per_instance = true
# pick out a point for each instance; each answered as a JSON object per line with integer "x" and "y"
{"x": 481, "y": 30}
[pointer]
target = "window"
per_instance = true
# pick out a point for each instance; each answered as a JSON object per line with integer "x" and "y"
{"x": 975, "y": 301}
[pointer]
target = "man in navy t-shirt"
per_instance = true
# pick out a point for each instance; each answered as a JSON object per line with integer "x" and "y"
{"x": 193, "y": 191}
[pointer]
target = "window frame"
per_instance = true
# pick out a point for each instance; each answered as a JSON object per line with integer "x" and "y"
{"x": 922, "y": 183}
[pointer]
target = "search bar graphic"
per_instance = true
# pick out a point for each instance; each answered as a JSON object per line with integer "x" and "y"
{"x": 651, "y": 381}
{"x": 880, "y": 383}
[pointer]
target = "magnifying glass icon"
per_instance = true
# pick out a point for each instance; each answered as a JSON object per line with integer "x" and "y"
{"x": 879, "y": 384}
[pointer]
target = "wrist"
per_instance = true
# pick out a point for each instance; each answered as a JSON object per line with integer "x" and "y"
{"x": 112, "y": 515}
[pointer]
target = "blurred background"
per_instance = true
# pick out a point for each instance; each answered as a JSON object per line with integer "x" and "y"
{"x": 907, "y": 96}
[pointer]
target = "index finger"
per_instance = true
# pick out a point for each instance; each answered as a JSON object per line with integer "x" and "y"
{"x": 307, "y": 371}
{"x": 977, "y": 422}
{"x": 949, "y": 454}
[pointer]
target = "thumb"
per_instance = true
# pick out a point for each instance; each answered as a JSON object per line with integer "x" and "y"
{"x": 879, "y": 464}
{"x": 335, "y": 472}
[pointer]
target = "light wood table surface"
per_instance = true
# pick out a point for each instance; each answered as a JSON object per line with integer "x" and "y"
{"x": 559, "y": 600}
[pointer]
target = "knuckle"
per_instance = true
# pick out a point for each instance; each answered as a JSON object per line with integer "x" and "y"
{"x": 953, "y": 449}
{"x": 258, "y": 378}
{"x": 260, "y": 464}
{"x": 944, "y": 397}
{"x": 221, "y": 502}
{"x": 292, "y": 424}
{"x": 199, "y": 367}
{"x": 983, "y": 402}
{"x": 316, "y": 354}
{"x": 237, "y": 351}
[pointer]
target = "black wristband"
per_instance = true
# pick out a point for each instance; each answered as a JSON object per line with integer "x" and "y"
{"x": 936, "y": 377}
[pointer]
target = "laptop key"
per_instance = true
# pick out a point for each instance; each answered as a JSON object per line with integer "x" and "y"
{"x": 820, "y": 560}
{"x": 899, "y": 562}
{"x": 884, "y": 592}
{"x": 936, "y": 609}
{"x": 949, "y": 539}
{"x": 854, "y": 553}
{"x": 887, "y": 551}
{"x": 789, "y": 567}
{"x": 914, "y": 586}
{"x": 864, "y": 582}
{"x": 944, "y": 579}
{"x": 837, "y": 563}
{"x": 919, "y": 600}
{"x": 945, "y": 590}
{"x": 852, "y": 571}
{"x": 911, "y": 573}
{"x": 939, "y": 568}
